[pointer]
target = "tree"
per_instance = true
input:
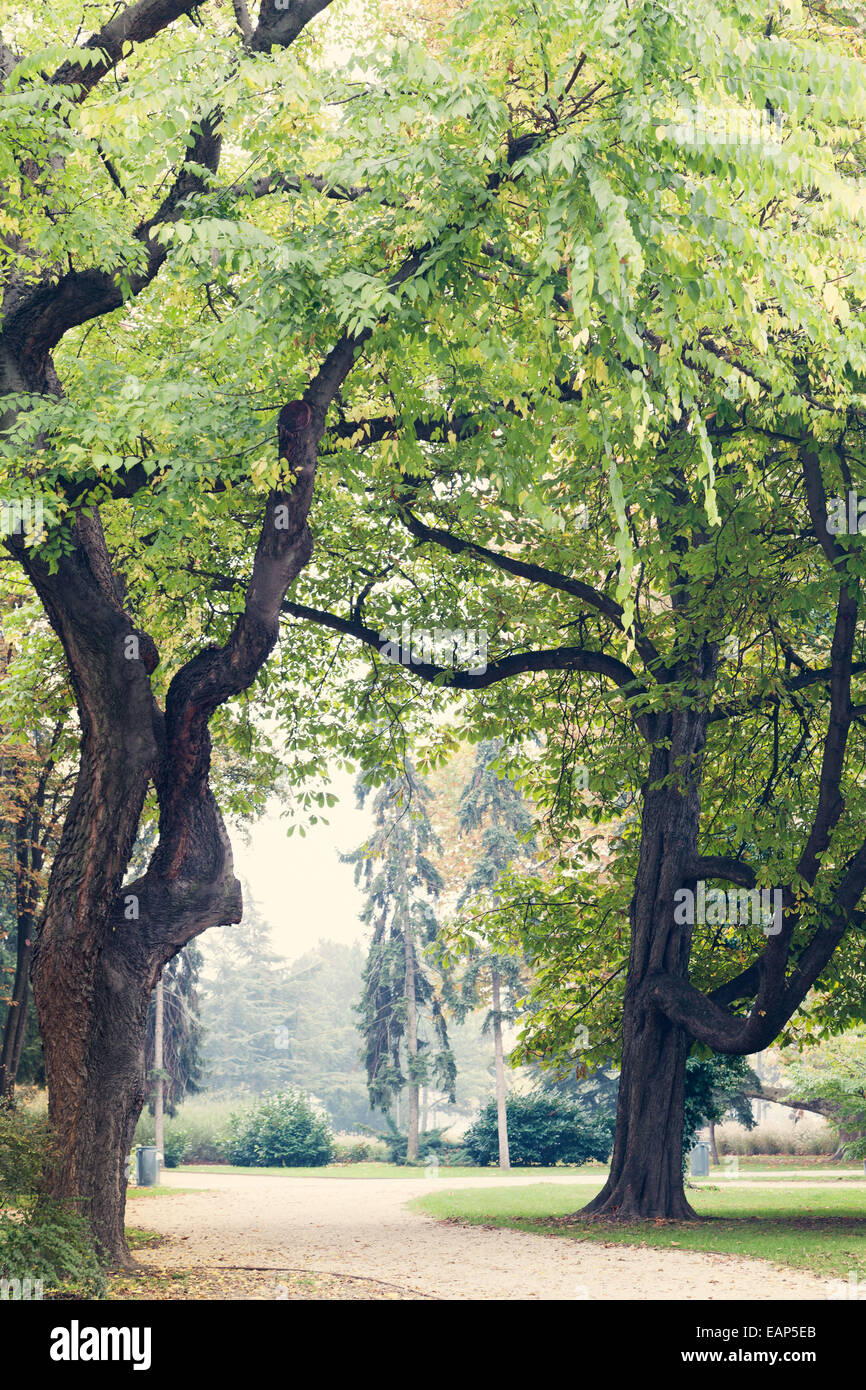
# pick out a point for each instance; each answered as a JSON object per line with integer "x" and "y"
{"x": 182, "y": 1062}
{"x": 35, "y": 786}
{"x": 671, "y": 486}
{"x": 831, "y": 1081}
{"x": 491, "y": 804}
{"x": 715, "y": 1086}
{"x": 246, "y": 1011}
{"x": 155, "y": 459}
{"x": 322, "y": 1034}
{"x": 399, "y": 994}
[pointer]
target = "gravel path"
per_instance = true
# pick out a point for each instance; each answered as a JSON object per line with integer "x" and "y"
{"x": 361, "y": 1227}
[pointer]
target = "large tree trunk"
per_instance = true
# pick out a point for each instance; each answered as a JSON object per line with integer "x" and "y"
{"x": 102, "y": 943}
{"x": 95, "y": 1098}
{"x": 499, "y": 1065}
{"x": 646, "y": 1174}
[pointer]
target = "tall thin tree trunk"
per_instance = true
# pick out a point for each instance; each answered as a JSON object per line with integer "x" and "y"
{"x": 28, "y": 863}
{"x": 714, "y": 1152}
{"x": 158, "y": 1058}
{"x": 501, "y": 1112}
{"x": 411, "y": 1044}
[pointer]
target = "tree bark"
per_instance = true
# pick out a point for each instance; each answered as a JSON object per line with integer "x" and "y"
{"x": 646, "y": 1173}
{"x": 499, "y": 1064}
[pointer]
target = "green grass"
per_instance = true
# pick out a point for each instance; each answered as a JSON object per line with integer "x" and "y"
{"x": 388, "y": 1170}
{"x": 158, "y": 1190}
{"x": 820, "y": 1232}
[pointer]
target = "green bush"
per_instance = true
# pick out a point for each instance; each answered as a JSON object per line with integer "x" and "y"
{"x": 767, "y": 1140}
{"x": 40, "y": 1241}
{"x": 175, "y": 1147}
{"x": 282, "y": 1131}
{"x": 24, "y": 1141}
{"x": 542, "y": 1130}
{"x": 46, "y": 1243}
{"x": 430, "y": 1144}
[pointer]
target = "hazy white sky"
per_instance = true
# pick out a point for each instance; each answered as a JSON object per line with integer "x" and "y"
{"x": 299, "y": 885}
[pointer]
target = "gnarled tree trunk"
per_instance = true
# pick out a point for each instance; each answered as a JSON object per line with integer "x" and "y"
{"x": 646, "y": 1173}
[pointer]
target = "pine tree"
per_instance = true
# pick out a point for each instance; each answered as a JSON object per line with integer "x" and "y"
{"x": 492, "y": 801}
{"x": 400, "y": 1003}
{"x": 182, "y": 1029}
{"x": 246, "y": 1011}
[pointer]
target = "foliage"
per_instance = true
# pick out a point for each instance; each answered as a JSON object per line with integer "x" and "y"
{"x": 50, "y": 1243}
{"x": 24, "y": 1147}
{"x": 767, "y": 1139}
{"x": 39, "y": 1239}
{"x": 182, "y": 1029}
{"x": 176, "y": 1148}
{"x": 280, "y": 1131}
{"x": 835, "y": 1072}
{"x": 400, "y": 882}
{"x": 493, "y": 812}
{"x": 431, "y": 1145}
{"x": 541, "y": 1131}
{"x": 200, "y": 1127}
{"x": 245, "y": 1010}
{"x": 715, "y": 1086}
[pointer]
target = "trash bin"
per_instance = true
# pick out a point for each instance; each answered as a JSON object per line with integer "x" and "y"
{"x": 148, "y": 1165}
{"x": 699, "y": 1165}
{"x": 132, "y": 1170}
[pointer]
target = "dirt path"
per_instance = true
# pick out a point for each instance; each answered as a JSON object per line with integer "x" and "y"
{"x": 361, "y": 1227}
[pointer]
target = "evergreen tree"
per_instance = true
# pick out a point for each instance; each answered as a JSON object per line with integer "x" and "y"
{"x": 404, "y": 1029}
{"x": 492, "y": 801}
{"x": 182, "y": 1062}
{"x": 246, "y": 1011}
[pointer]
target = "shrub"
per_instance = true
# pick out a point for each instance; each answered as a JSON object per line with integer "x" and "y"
{"x": 175, "y": 1147}
{"x": 430, "y": 1144}
{"x": 282, "y": 1131}
{"x": 24, "y": 1141}
{"x": 45, "y": 1242}
{"x": 40, "y": 1241}
{"x": 349, "y": 1148}
{"x": 542, "y": 1130}
{"x": 730, "y": 1139}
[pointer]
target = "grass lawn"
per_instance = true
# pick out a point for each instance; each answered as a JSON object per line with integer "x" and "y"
{"x": 390, "y": 1170}
{"x": 823, "y": 1232}
{"x": 157, "y": 1191}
